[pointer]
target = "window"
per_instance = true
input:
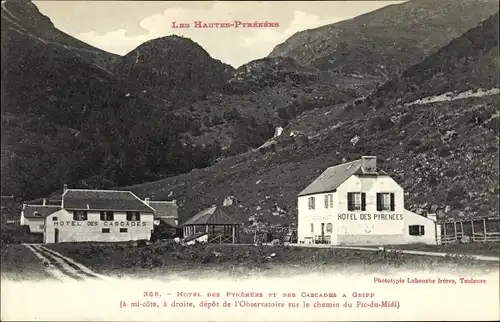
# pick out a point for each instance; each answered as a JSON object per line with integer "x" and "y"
{"x": 329, "y": 228}
{"x": 41, "y": 226}
{"x": 133, "y": 216}
{"x": 107, "y": 215}
{"x": 80, "y": 215}
{"x": 385, "y": 201}
{"x": 54, "y": 218}
{"x": 123, "y": 230}
{"x": 312, "y": 228}
{"x": 105, "y": 230}
{"x": 356, "y": 201}
{"x": 329, "y": 201}
{"x": 416, "y": 230}
{"x": 312, "y": 202}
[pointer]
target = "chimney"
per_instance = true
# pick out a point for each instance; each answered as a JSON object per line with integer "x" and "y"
{"x": 146, "y": 201}
{"x": 65, "y": 187}
{"x": 44, "y": 201}
{"x": 369, "y": 164}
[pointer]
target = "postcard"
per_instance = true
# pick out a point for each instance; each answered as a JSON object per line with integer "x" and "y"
{"x": 250, "y": 160}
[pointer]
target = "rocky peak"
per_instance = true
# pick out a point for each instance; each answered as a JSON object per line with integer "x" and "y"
{"x": 26, "y": 13}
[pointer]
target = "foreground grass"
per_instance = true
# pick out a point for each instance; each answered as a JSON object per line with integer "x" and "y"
{"x": 487, "y": 249}
{"x": 202, "y": 260}
{"x": 18, "y": 263}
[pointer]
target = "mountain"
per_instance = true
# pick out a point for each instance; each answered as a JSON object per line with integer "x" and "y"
{"x": 70, "y": 115}
{"x": 443, "y": 152}
{"x": 455, "y": 67}
{"x": 167, "y": 67}
{"x": 385, "y": 42}
{"x": 23, "y": 18}
{"x": 262, "y": 95}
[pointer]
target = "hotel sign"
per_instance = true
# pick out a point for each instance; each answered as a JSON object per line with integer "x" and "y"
{"x": 73, "y": 223}
{"x": 362, "y": 216}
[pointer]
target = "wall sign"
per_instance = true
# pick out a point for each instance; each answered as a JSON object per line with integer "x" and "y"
{"x": 97, "y": 223}
{"x": 362, "y": 216}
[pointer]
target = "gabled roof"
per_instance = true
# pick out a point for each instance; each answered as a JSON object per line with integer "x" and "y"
{"x": 211, "y": 216}
{"x": 171, "y": 222}
{"x": 164, "y": 209}
{"x": 39, "y": 211}
{"x": 112, "y": 200}
{"x": 334, "y": 176}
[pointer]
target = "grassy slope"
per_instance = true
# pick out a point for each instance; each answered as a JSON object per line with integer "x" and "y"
{"x": 200, "y": 260}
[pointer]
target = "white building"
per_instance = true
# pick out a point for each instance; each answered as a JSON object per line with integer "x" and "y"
{"x": 100, "y": 216}
{"x": 356, "y": 204}
{"x": 34, "y": 216}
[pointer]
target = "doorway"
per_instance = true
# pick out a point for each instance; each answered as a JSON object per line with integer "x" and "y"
{"x": 56, "y": 235}
{"x": 322, "y": 232}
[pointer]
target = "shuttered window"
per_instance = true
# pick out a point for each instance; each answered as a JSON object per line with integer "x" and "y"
{"x": 133, "y": 216}
{"x": 312, "y": 228}
{"x": 312, "y": 203}
{"x": 329, "y": 201}
{"x": 356, "y": 201}
{"x": 416, "y": 230}
{"x": 80, "y": 215}
{"x": 385, "y": 201}
{"x": 107, "y": 216}
{"x": 329, "y": 228}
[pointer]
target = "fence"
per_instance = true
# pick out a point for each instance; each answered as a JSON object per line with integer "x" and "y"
{"x": 479, "y": 229}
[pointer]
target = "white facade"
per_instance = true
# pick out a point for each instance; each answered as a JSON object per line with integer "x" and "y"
{"x": 61, "y": 227}
{"x": 377, "y": 218}
{"x": 37, "y": 225}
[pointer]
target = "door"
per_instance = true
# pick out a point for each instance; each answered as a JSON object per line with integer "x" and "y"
{"x": 56, "y": 235}
{"x": 322, "y": 232}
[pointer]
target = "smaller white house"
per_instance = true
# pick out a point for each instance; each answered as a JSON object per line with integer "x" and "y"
{"x": 34, "y": 216}
{"x": 355, "y": 203}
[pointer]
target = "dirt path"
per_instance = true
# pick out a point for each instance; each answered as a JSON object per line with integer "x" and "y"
{"x": 412, "y": 252}
{"x": 61, "y": 267}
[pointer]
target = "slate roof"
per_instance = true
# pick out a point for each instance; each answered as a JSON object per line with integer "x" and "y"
{"x": 164, "y": 209}
{"x": 50, "y": 202}
{"x": 334, "y": 176}
{"x": 112, "y": 200}
{"x": 30, "y": 210}
{"x": 211, "y": 216}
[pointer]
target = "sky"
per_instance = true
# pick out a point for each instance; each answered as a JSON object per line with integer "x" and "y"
{"x": 120, "y": 26}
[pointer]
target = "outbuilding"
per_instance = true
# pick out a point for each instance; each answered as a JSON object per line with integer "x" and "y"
{"x": 215, "y": 224}
{"x": 355, "y": 203}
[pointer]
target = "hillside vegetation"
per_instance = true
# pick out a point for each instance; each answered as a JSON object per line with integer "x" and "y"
{"x": 444, "y": 154}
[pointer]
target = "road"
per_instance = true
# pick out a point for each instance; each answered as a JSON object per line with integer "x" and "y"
{"x": 61, "y": 267}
